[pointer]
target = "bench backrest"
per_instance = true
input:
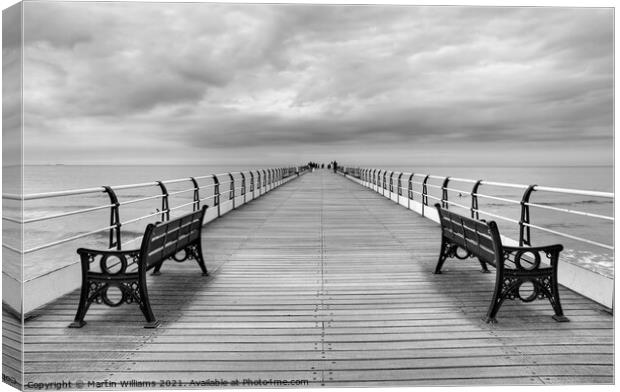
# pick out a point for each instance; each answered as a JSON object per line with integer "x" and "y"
{"x": 164, "y": 239}
{"x": 480, "y": 238}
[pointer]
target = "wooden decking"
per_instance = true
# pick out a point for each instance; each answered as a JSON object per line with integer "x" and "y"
{"x": 323, "y": 280}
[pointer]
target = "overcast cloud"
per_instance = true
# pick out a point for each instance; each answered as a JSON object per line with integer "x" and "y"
{"x": 224, "y": 83}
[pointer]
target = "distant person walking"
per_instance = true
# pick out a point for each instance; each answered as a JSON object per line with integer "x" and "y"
{"x": 335, "y": 166}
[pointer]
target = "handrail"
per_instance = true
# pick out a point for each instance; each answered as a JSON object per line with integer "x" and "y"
{"x": 140, "y": 199}
{"x": 497, "y": 216}
{"x": 276, "y": 175}
{"x": 572, "y": 237}
{"x": 576, "y": 212}
{"x": 455, "y": 190}
{"x": 46, "y": 195}
{"x": 580, "y": 192}
{"x": 497, "y": 198}
{"x": 376, "y": 177}
{"x": 62, "y": 241}
{"x": 42, "y": 218}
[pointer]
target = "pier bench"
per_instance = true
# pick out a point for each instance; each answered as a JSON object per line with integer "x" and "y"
{"x": 520, "y": 273}
{"x": 124, "y": 271}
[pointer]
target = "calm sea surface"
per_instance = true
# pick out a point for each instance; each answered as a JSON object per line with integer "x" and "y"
{"x": 42, "y": 178}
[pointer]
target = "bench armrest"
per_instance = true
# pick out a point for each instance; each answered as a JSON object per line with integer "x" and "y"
{"x": 100, "y": 252}
{"x": 530, "y": 257}
{"x": 556, "y": 248}
{"x": 125, "y": 257}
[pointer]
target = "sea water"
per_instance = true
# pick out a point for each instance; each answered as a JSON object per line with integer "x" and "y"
{"x": 51, "y": 178}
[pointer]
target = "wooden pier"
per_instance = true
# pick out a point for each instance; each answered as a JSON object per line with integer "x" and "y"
{"x": 324, "y": 281}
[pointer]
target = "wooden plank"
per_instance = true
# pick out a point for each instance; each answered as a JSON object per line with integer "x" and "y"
{"x": 241, "y": 365}
{"x": 531, "y": 352}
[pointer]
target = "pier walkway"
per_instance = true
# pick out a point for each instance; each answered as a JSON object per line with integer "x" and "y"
{"x": 325, "y": 281}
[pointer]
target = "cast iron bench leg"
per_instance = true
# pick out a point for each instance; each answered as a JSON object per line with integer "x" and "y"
{"x": 157, "y": 268}
{"x": 554, "y": 299}
{"x": 79, "y": 322}
{"x": 500, "y": 293}
{"x": 191, "y": 251}
{"x": 197, "y": 250}
{"x": 145, "y": 307}
{"x": 484, "y": 269}
{"x": 444, "y": 253}
{"x": 507, "y": 287}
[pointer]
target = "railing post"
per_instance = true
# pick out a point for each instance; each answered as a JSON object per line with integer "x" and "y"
{"x": 243, "y": 186}
{"x": 231, "y": 194}
{"x": 474, "y": 200}
{"x": 391, "y": 184}
{"x": 196, "y": 205}
{"x": 269, "y": 179}
{"x": 384, "y": 187}
{"x": 444, "y": 193}
{"x": 385, "y": 183}
{"x": 216, "y": 194}
{"x": 374, "y": 177}
{"x": 165, "y": 211}
{"x": 264, "y": 181}
{"x": 252, "y": 183}
{"x": 524, "y": 230}
{"x": 258, "y": 182}
{"x": 114, "y": 219}
{"x": 378, "y": 180}
{"x": 400, "y": 185}
{"x": 409, "y": 190}
{"x": 424, "y": 193}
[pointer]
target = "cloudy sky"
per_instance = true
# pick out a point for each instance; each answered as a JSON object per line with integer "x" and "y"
{"x": 271, "y": 84}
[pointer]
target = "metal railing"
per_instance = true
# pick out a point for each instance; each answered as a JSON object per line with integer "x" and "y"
{"x": 260, "y": 181}
{"x": 393, "y": 182}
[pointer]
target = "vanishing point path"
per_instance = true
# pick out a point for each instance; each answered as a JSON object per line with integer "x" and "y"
{"x": 322, "y": 280}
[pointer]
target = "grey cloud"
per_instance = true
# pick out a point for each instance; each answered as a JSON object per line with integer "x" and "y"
{"x": 475, "y": 122}
{"x": 62, "y": 24}
{"x": 215, "y": 76}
